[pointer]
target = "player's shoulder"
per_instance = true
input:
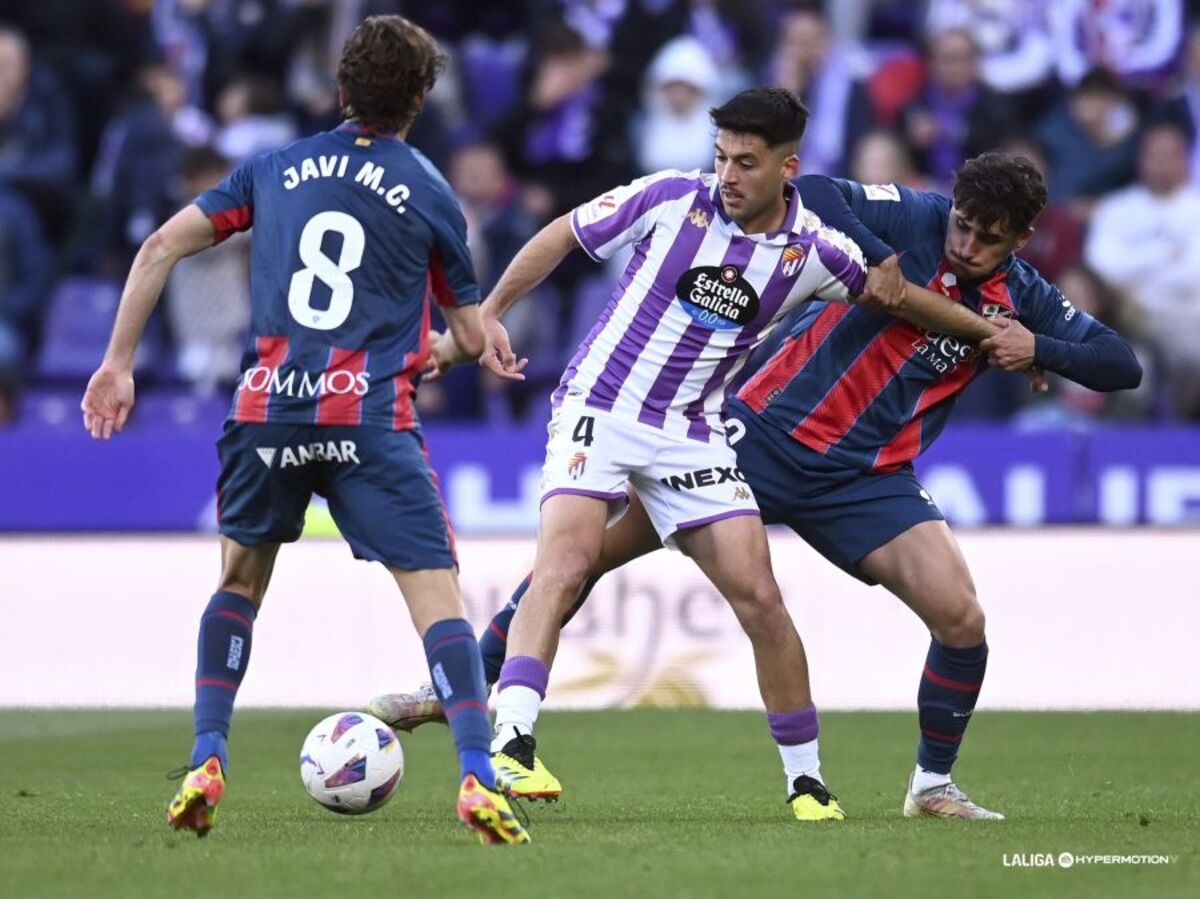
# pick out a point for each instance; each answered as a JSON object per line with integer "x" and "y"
{"x": 825, "y": 237}
{"x": 1027, "y": 287}
{"x": 673, "y": 183}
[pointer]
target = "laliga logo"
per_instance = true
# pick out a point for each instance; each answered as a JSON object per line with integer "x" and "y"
{"x": 339, "y": 382}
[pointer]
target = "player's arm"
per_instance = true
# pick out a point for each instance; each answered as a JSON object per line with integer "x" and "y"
{"x": 933, "y": 312}
{"x": 1065, "y": 341}
{"x": 109, "y": 395}
{"x": 528, "y": 269}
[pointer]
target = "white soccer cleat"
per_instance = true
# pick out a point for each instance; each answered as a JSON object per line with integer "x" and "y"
{"x": 408, "y": 710}
{"x": 945, "y": 801}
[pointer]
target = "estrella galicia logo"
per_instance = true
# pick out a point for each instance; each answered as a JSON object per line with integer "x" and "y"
{"x": 717, "y": 296}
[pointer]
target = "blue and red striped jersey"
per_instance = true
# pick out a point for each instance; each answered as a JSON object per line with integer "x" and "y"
{"x": 353, "y": 233}
{"x": 872, "y": 391}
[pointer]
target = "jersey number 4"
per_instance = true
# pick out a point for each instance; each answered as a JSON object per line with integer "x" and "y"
{"x": 335, "y": 274}
{"x": 583, "y": 431}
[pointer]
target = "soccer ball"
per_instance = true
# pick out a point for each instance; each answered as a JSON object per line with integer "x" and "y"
{"x": 351, "y": 763}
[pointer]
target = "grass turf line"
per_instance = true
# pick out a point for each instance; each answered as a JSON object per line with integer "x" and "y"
{"x": 657, "y": 803}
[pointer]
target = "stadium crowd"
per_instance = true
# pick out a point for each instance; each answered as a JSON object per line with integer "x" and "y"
{"x": 113, "y": 113}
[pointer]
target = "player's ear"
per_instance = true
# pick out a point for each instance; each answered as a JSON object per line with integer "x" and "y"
{"x": 1023, "y": 239}
{"x": 791, "y": 166}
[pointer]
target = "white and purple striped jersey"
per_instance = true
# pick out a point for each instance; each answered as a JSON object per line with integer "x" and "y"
{"x": 698, "y": 295}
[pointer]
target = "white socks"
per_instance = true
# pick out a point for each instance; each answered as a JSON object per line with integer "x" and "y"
{"x": 926, "y": 780}
{"x": 516, "y": 708}
{"x": 800, "y": 759}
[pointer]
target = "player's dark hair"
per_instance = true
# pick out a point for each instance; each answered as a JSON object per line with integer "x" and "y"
{"x": 996, "y": 189}
{"x": 773, "y": 113}
{"x": 388, "y": 65}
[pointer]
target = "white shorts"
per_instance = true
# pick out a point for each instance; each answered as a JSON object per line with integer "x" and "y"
{"x": 683, "y": 483}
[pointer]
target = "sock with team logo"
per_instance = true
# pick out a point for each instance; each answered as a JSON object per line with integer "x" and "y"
{"x": 795, "y": 734}
{"x": 457, "y": 673}
{"x": 949, "y": 688}
{"x": 492, "y": 643}
{"x": 221, "y": 658}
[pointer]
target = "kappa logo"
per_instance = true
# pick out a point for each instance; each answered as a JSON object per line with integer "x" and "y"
{"x": 699, "y": 218}
{"x": 576, "y": 466}
{"x": 741, "y": 493}
{"x": 791, "y": 260}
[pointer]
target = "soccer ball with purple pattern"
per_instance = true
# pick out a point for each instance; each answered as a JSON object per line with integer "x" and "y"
{"x": 351, "y": 763}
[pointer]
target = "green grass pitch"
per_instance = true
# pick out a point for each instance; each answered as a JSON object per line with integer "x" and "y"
{"x": 657, "y": 803}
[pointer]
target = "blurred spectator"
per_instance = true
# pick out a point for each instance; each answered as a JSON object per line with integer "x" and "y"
{"x": 1090, "y": 141}
{"x": 1068, "y": 403}
{"x": 1145, "y": 240}
{"x": 563, "y": 140}
{"x": 208, "y": 295}
{"x": 1184, "y": 106}
{"x": 1016, "y": 56}
{"x": 26, "y": 270}
{"x": 251, "y": 117}
{"x": 37, "y": 148}
{"x": 497, "y": 228}
{"x": 956, "y": 115}
{"x": 1137, "y": 40}
{"x": 675, "y": 131}
{"x": 735, "y": 33}
{"x": 135, "y": 171}
{"x": 880, "y": 157}
{"x": 1057, "y": 242}
{"x": 837, "y": 101}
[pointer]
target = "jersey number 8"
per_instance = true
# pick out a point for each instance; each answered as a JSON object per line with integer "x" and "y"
{"x": 334, "y": 274}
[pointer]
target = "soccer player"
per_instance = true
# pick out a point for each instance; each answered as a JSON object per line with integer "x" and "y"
{"x": 353, "y": 232}
{"x": 719, "y": 260}
{"x": 825, "y": 432}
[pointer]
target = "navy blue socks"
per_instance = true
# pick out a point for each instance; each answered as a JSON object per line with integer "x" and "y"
{"x": 222, "y": 654}
{"x": 945, "y": 700}
{"x": 457, "y": 673}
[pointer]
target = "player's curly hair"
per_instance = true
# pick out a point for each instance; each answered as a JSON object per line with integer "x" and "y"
{"x": 388, "y": 65}
{"x": 773, "y": 113}
{"x": 995, "y": 189}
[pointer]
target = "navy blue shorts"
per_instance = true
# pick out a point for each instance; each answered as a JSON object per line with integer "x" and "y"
{"x": 841, "y": 512}
{"x": 382, "y": 494}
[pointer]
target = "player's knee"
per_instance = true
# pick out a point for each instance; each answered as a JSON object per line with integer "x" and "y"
{"x": 568, "y": 574}
{"x": 962, "y": 622}
{"x": 760, "y": 611}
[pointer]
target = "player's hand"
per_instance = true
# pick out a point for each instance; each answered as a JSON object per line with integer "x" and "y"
{"x": 498, "y": 357}
{"x": 1012, "y": 348}
{"x": 885, "y": 286}
{"x": 441, "y": 355}
{"x": 108, "y": 400}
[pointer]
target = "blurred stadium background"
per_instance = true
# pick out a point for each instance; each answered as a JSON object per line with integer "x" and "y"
{"x": 1071, "y": 505}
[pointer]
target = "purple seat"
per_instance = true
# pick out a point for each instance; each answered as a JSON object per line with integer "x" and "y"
{"x": 78, "y": 321}
{"x": 491, "y": 77}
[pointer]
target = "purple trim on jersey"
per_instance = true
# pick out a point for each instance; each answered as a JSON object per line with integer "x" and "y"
{"x": 841, "y": 266}
{"x": 650, "y": 311}
{"x": 597, "y": 234}
{"x": 639, "y": 256}
{"x": 688, "y": 349}
{"x": 580, "y": 491}
{"x": 700, "y": 522}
